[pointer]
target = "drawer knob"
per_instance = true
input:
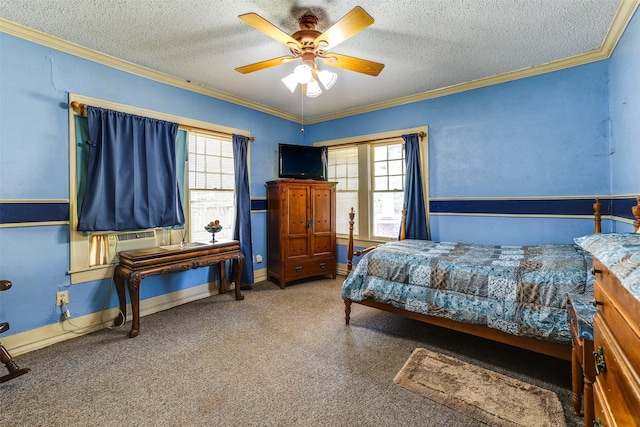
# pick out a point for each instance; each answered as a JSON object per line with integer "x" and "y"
{"x": 598, "y": 357}
{"x": 594, "y": 271}
{"x": 596, "y": 303}
{"x": 298, "y": 269}
{"x": 323, "y": 265}
{"x": 598, "y": 423}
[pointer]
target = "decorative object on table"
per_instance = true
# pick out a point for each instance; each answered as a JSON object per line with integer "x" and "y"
{"x": 484, "y": 395}
{"x": 213, "y": 227}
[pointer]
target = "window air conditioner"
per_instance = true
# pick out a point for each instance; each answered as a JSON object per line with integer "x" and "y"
{"x": 127, "y": 241}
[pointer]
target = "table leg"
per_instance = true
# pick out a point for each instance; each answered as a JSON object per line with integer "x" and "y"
{"x": 589, "y": 377}
{"x": 134, "y": 296}
{"x": 240, "y": 259}
{"x": 223, "y": 277}
{"x": 576, "y": 381}
{"x": 589, "y": 411}
{"x": 118, "y": 279}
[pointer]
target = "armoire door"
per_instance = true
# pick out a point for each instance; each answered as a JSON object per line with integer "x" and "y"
{"x": 322, "y": 220}
{"x": 297, "y": 222}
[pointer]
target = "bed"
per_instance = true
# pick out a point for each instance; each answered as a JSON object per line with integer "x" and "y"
{"x": 515, "y": 295}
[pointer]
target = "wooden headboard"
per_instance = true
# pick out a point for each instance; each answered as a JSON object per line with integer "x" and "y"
{"x": 636, "y": 213}
{"x": 597, "y": 218}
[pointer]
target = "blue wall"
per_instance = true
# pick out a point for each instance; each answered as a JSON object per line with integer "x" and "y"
{"x": 537, "y": 137}
{"x": 548, "y": 135}
{"x": 34, "y": 86}
{"x": 624, "y": 101}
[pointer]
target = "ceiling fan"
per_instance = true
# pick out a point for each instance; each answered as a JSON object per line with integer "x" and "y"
{"x": 309, "y": 43}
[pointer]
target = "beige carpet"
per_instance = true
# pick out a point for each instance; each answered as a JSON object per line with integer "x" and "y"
{"x": 485, "y": 395}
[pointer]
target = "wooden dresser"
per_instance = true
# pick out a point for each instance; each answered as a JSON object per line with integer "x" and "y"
{"x": 616, "y": 352}
{"x": 301, "y": 229}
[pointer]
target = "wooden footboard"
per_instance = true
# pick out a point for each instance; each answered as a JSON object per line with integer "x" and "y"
{"x": 557, "y": 350}
{"x": 553, "y": 349}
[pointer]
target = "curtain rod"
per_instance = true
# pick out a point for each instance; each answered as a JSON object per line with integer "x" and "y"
{"x": 82, "y": 110}
{"x": 421, "y": 134}
{"x": 214, "y": 132}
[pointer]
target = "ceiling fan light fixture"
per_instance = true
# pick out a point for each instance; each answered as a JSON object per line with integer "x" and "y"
{"x": 303, "y": 74}
{"x": 327, "y": 78}
{"x": 313, "y": 89}
{"x": 291, "y": 82}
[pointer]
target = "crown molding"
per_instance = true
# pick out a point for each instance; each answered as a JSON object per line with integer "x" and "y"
{"x": 113, "y": 62}
{"x": 623, "y": 15}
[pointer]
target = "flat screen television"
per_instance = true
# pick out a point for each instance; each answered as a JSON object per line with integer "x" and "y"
{"x": 302, "y": 162}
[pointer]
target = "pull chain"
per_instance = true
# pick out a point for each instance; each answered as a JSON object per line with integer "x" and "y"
{"x": 302, "y": 108}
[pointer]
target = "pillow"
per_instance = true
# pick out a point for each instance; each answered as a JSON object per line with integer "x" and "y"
{"x": 619, "y": 252}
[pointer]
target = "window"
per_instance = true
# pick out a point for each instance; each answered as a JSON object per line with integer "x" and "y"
{"x": 388, "y": 189}
{"x": 207, "y": 189}
{"x": 370, "y": 172}
{"x": 211, "y": 185}
{"x": 343, "y": 169}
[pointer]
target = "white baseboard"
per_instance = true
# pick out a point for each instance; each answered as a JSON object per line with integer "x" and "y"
{"x": 341, "y": 269}
{"x": 34, "y": 339}
{"x": 260, "y": 275}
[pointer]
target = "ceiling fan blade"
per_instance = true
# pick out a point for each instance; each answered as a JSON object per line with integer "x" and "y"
{"x": 261, "y": 24}
{"x": 353, "y": 64}
{"x": 350, "y": 24}
{"x": 265, "y": 64}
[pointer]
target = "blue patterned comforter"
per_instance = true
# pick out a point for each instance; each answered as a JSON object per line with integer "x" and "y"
{"x": 521, "y": 290}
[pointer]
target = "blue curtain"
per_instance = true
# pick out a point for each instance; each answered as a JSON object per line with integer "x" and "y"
{"x": 131, "y": 174}
{"x": 416, "y": 221}
{"x": 83, "y": 148}
{"x": 182, "y": 156}
{"x": 242, "y": 229}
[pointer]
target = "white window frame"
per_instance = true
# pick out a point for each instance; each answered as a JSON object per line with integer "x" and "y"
{"x": 391, "y": 188}
{"x": 335, "y": 173}
{"x": 197, "y": 231}
{"x": 365, "y": 195}
{"x": 80, "y": 270}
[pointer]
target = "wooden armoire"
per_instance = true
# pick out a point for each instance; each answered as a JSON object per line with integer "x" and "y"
{"x": 301, "y": 229}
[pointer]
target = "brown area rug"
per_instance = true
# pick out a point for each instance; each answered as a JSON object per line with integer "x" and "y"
{"x": 485, "y": 395}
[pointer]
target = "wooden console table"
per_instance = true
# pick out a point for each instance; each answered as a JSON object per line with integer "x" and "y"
{"x": 137, "y": 264}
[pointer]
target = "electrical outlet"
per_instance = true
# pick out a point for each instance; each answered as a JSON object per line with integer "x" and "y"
{"x": 62, "y": 297}
{"x": 258, "y": 259}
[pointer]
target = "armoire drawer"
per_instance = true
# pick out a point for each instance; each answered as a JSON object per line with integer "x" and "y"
{"x": 316, "y": 267}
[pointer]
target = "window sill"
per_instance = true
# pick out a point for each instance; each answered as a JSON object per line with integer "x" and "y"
{"x": 91, "y": 274}
{"x": 361, "y": 243}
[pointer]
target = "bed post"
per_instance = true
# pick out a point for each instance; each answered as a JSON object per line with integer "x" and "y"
{"x": 403, "y": 225}
{"x": 347, "y": 303}
{"x": 636, "y": 213}
{"x": 352, "y": 214}
{"x": 597, "y": 216}
{"x": 347, "y": 311}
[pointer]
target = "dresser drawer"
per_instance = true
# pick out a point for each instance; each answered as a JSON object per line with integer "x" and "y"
{"x": 617, "y": 386}
{"x": 625, "y": 329}
{"x": 316, "y": 267}
{"x": 601, "y": 409}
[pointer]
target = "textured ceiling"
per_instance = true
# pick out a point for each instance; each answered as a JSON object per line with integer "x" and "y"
{"x": 425, "y": 45}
